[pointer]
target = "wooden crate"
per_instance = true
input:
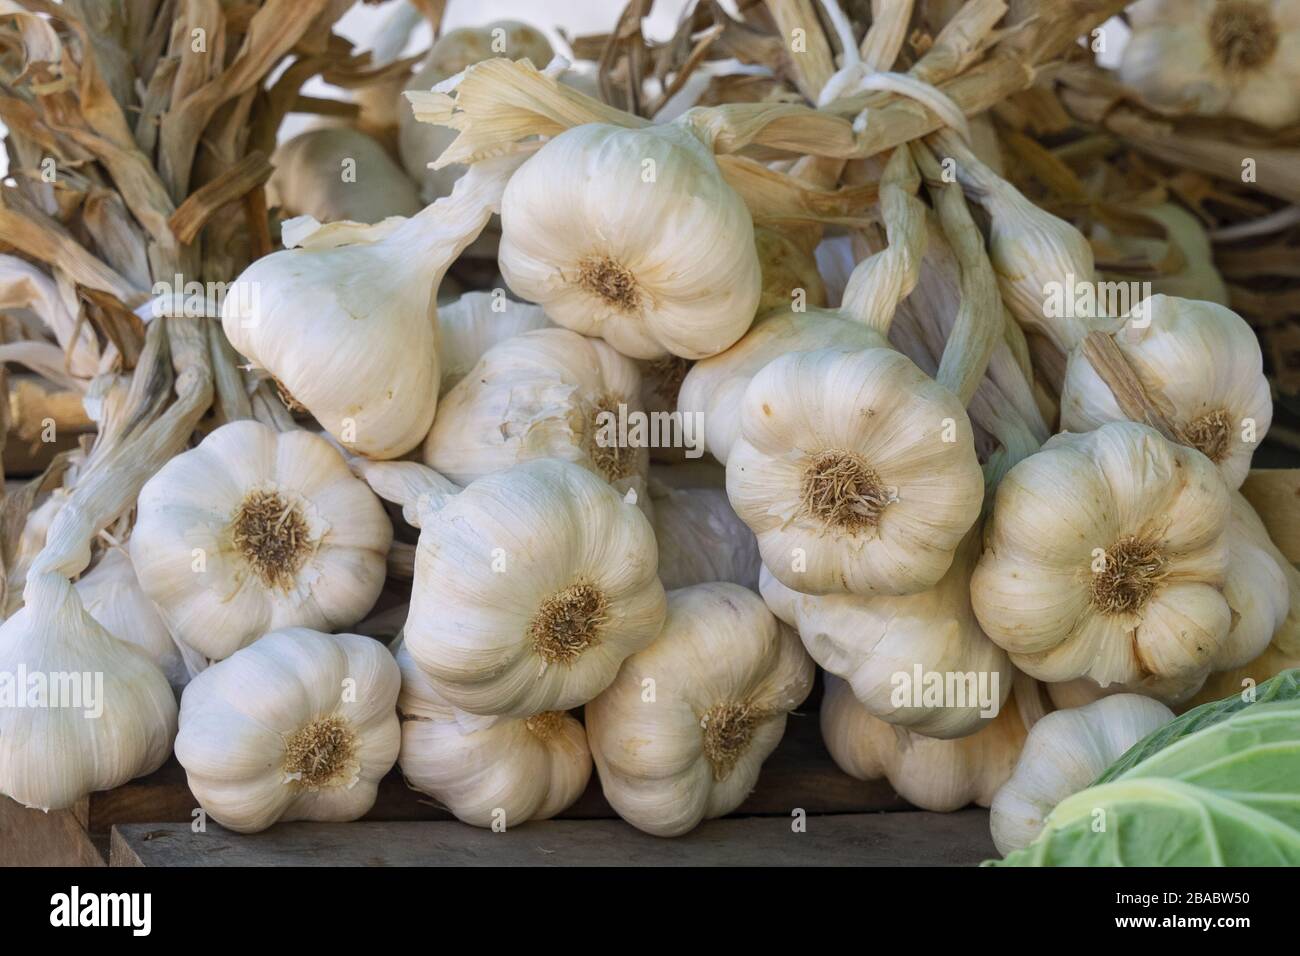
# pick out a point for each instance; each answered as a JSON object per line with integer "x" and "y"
{"x": 148, "y": 823}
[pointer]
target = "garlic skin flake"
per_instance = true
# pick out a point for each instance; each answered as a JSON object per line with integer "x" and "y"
{"x": 1106, "y": 556}
{"x": 299, "y": 725}
{"x": 1066, "y": 752}
{"x": 502, "y": 772}
{"x": 531, "y": 587}
{"x": 1204, "y": 360}
{"x": 856, "y": 471}
{"x": 117, "y": 722}
{"x": 632, "y": 235}
{"x": 540, "y": 394}
{"x": 1238, "y": 58}
{"x": 877, "y": 643}
{"x": 256, "y": 530}
{"x": 471, "y": 325}
{"x": 682, "y": 733}
{"x": 933, "y": 774}
{"x": 715, "y": 386}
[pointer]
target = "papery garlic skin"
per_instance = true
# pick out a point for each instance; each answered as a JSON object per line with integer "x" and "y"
{"x": 715, "y": 386}
{"x": 299, "y": 725}
{"x": 502, "y": 773}
{"x": 531, "y": 587}
{"x": 632, "y": 235}
{"x": 473, "y": 323}
{"x": 308, "y": 178}
{"x": 725, "y": 673}
{"x": 540, "y": 394}
{"x": 111, "y": 594}
{"x": 256, "y": 530}
{"x": 1205, "y": 361}
{"x": 1066, "y": 752}
{"x": 1106, "y": 556}
{"x": 856, "y": 472}
{"x": 877, "y": 644}
{"x": 933, "y": 774}
{"x": 701, "y": 539}
{"x": 116, "y": 723}
{"x": 1238, "y": 58}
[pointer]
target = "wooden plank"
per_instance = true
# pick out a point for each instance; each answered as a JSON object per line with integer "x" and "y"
{"x": 875, "y": 839}
{"x": 33, "y": 838}
{"x": 799, "y": 774}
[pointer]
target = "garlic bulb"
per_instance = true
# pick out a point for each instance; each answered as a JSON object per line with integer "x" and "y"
{"x": 531, "y": 587}
{"x": 347, "y": 323}
{"x": 1203, "y": 361}
{"x": 96, "y": 714}
{"x": 1196, "y": 278}
{"x": 681, "y": 734}
{"x": 549, "y": 393}
{"x": 421, "y": 143}
{"x": 475, "y": 322}
{"x": 891, "y": 649}
{"x": 1066, "y": 752}
{"x": 112, "y": 595}
{"x": 855, "y": 470}
{"x": 938, "y": 775}
{"x": 632, "y": 235}
{"x": 256, "y": 530}
{"x": 336, "y": 172}
{"x": 714, "y": 387}
{"x": 1256, "y": 588}
{"x": 1226, "y": 58}
{"x": 700, "y": 538}
{"x": 1106, "y": 556}
{"x": 299, "y": 725}
{"x": 503, "y": 773}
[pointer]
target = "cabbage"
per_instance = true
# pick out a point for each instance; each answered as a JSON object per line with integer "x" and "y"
{"x": 1219, "y": 786}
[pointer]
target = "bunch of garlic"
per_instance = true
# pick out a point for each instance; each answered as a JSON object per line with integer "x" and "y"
{"x": 680, "y": 735}
{"x": 632, "y": 235}
{"x": 496, "y": 773}
{"x": 299, "y": 725}
{"x": 256, "y": 530}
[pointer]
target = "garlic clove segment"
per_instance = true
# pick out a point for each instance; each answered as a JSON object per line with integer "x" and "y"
{"x": 299, "y": 725}
{"x": 930, "y": 773}
{"x": 256, "y": 530}
{"x": 632, "y": 235}
{"x": 497, "y": 774}
{"x": 347, "y": 324}
{"x": 1066, "y": 752}
{"x": 681, "y": 734}
{"x": 856, "y": 471}
{"x": 531, "y": 587}
{"x": 80, "y": 710}
{"x": 1106, "y": 556}
{"x": 1199, "y": 359}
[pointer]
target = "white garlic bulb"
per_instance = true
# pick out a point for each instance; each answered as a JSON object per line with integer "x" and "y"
{"x": 256, "y": 530}
{"x": 714, "y": 387}
{"x": 1106, "y": 556}
{"x": 549, "y": 393}
{"x": 347, "y": 322}
{"x": 856, "y": 471}
{"x": 1203, "y": 360}
{"x": 80, "y": 710}
{"x": 700, "y": 538}
{"x": 632, "y": 235}
{"x": 1066, "y": 752}
{"x": 681, "y": 734}
{"x": 112, "y": 595}
{"x": 1226, "y": 58}
{"x": 887, "y": 647}
{"x": 475, "y": 322}
{"x": 1256, "y": 588}
{"x": 498, "y": 774}
{"x": 419, "y": 144}
{"x": 337, "y": 172}
{"x": 531, "y": 587}
{"x": 933, "y": 774}
{"x": 299, "y": 725}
